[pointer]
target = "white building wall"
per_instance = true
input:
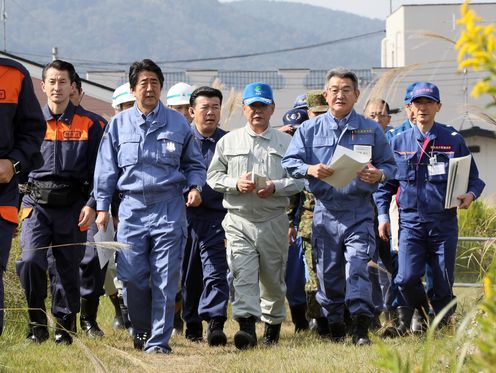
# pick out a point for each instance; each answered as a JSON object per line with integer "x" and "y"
{"x": 419, "y": 45}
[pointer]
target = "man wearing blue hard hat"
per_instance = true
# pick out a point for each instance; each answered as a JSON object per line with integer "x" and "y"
{"x": 246, "y": 167}
{"x": 429, "y": 231}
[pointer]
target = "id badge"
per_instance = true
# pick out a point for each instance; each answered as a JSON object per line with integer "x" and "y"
{"x": 363, "y": 149}
{"x": 436, "y": 169}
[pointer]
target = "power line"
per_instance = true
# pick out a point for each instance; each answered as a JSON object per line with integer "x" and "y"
{"x": 86, "y": 62}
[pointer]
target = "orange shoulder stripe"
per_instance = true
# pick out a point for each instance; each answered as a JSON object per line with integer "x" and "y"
{"x": 10, "y": 84}
{"x": 10, "y": 213}
{"x": 76, "y": 131}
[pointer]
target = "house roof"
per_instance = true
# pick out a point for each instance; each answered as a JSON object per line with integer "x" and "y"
{"x": 477, "y": 131}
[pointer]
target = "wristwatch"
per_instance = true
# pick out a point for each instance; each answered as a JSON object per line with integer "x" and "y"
{"x": 16, "y": 166}
{"x": 383, "y": 176}
{"x": 197, "y": 187}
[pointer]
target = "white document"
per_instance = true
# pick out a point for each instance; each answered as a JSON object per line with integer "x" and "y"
{"x": 458, "y": 173}
{"x": 259, "y": 180}
{"x": 104, "y": 255}
{"x": 345, "y": 163}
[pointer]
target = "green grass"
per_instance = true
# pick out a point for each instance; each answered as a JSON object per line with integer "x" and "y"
{"x": 304, "y": 352}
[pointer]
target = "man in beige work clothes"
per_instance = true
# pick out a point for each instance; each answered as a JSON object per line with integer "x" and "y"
{"x": 246, "y": 167}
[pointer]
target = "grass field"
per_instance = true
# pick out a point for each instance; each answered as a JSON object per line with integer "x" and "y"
{"x": 304, "y": 352}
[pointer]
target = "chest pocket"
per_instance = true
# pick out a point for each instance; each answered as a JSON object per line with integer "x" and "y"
{"x": 170, "y": 147}
{"x": 322, "y": 149}
{"x": 441, "y": 158}
{"x": 275, "y": 170}
{"x": 237, "y": 161}
{"x": 128, "y": 150}
{"x": 406, "y": 166}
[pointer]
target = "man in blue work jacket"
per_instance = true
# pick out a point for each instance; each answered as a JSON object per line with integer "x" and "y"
{"x": 205, "y": 290}
{"x": 429, "y": 232}
{"x": 343, "y": 228}
{"x": 58, "y": 210}
{"x": 23, "y": 128}
{"x": 149, "y": 154}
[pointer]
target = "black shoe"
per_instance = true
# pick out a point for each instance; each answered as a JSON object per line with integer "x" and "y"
{"x": 360, "y": 330}
{"x": 139, "y": 340}
{"x": 323, "y": 327}
{"x": 87, "y": 319}
{"x": 64, "y": 330}
{"x": 37, "y": 333}
{"x": 271, "y": 334}
{"x": 215, "y": 332}
{"x": 246, "y": 337}
{"x": 337, "y": 331}
{"x": 194, "y": 331}
{"x": 299, "y": 318}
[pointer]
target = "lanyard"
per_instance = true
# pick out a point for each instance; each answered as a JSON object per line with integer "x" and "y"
{"x": 423, "y": 148}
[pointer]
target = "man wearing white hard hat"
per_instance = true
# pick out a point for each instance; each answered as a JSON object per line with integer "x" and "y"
{"x": 178, "y": 99}
{"x": 122, "y": 98}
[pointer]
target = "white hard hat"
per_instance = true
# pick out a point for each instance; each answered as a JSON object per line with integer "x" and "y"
{"x": 179, "y": 94}
{"x": 121, "y": 95}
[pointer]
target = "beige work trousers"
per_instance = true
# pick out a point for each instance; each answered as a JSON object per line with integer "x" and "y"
{"x": 257, "y": 254}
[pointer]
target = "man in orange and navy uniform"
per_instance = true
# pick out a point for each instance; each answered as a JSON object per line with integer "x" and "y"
{"x": 58, "y": 210}
{"x": 23, "y": 127}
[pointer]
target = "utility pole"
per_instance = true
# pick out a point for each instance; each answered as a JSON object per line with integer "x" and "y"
{"x": 55, "y": 52}
{"x": 4, "y": 19}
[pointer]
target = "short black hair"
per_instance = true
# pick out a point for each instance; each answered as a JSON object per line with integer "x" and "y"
{"x": 61, "y": 66}
{"x": 145, "y": 65}
{"x": 206, "y": 92}
{"x": 79, "y": 84}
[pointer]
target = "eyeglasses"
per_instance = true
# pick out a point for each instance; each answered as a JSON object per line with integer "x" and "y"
{"x": 334, "y": 91}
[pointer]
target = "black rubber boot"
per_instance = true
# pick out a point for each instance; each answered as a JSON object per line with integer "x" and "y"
{"x": 360, "y": 330}
{"x": 38, "y": 331}
{"x": 139, "y": 340}
{"x": 87, "y": 318}
{"x": 246, "y": 337}
{"x": 64, "y": 329}
{"x": 375, "y": 323}
{"x": 391, "y": 328}
{"x": 422, "y": 318}
{"x": 271, "y": 334}
{"x": 323, "y": 327}
{"x": 215, "y": 332}
{"x": 405, "y": 315}
{"x": 337, "y": 331}
{"x": 118, "y": 322}
{"x": 194, "y": 331}
{"x": 125, "y": 316}
{"x": 298, "y": 316}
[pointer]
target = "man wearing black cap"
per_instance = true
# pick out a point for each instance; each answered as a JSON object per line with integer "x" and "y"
{"x": 246, "y": 167}
{"x": 429, "y": 231}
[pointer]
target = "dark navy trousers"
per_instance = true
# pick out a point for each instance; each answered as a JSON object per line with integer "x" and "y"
{"x": 295, "y": 274}
{"x": 434, "y": 243}
{"x": 41, "y": 227}
{"x": 205, "y": 290}
{"x": 7, "y": 228}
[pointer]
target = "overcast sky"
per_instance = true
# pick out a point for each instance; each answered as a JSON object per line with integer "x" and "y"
{"x": 370, "y": 8}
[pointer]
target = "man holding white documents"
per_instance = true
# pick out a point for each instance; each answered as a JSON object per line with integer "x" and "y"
{"x": 343, "y": 236}
{"x": 429, "y": 228}
{"x": 246, "y": 167}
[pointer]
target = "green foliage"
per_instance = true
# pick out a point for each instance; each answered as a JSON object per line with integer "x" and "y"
{"x": 477, "y": 221}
